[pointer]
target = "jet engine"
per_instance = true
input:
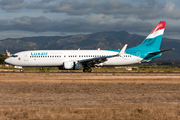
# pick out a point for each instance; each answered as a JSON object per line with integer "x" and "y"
{"x": 72, "y": 65}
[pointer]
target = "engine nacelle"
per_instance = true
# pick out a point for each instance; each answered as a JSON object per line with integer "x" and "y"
{"x": 72, "y": 65}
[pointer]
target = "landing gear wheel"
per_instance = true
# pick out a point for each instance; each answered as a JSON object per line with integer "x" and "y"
{"x": 87, "y": 69}
{"x": 21, "y": 70}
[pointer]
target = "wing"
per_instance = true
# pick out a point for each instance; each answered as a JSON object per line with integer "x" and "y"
{"x": 98, "y": 60}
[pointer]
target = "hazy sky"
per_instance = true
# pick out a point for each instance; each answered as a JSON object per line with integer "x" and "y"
{"x": 24, "y": 18}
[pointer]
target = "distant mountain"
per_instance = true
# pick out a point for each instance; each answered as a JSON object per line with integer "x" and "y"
{"x": 105, "y": 40}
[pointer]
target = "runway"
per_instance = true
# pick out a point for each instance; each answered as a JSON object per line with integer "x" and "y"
{"x": 92, "y": 77}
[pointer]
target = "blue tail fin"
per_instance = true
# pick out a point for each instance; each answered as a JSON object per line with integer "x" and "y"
{"x": 151, "y": 44}
{"x": 153, "y": 40}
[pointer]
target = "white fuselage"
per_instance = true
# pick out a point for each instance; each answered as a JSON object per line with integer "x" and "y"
{"x": 45, "y": 58}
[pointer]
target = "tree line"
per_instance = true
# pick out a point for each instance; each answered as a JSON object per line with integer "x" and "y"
{"x": 2, "y": 58}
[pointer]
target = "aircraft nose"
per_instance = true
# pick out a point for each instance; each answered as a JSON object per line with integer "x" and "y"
{"x": 7, "y": 60}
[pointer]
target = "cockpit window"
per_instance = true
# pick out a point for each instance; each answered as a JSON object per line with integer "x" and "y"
{"x": 14, "y": 55}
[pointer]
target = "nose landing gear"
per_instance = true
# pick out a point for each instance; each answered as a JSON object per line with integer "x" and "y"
{"x": 21, "y": 70}
{"x": 19, "y": 67}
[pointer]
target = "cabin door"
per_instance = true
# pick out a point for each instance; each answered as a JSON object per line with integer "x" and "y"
{"x": 25, "y": 57}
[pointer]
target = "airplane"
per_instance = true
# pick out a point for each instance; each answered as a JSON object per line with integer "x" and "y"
{"x": 85, "y": 59}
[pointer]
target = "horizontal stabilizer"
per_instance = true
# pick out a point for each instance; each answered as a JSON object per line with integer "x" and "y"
{"x": 166, "y": 50}
{"x": 162, "y": 51}
{"x": 151, "y": 55}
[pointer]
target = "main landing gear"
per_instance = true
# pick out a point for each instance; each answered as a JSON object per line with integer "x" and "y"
{"x": 87, "y": 69}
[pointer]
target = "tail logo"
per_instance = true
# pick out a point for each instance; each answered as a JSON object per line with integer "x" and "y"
{"x": 158, "y": 27}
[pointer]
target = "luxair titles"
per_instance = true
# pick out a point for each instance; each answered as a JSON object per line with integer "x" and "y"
{"x": 39, "y": 53}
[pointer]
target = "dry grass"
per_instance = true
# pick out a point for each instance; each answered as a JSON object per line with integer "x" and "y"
{"x": 142, "y": 111}
{"x": 89, "y": 96}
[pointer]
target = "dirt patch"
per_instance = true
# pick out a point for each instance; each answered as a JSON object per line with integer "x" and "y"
{"x": 67, "y": 96}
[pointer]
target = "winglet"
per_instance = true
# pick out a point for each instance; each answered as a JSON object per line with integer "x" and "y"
{"x": 123, "y": 49}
